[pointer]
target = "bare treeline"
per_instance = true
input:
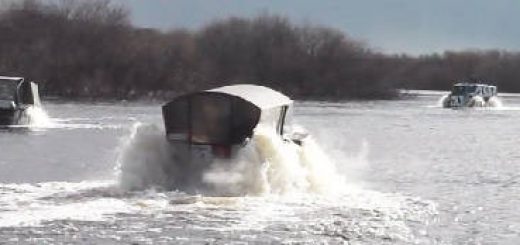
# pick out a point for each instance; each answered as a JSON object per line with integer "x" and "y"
{"x": 439, "y": 72}
{"x": 89, "y": 48}
{"x": 80, "y": 48}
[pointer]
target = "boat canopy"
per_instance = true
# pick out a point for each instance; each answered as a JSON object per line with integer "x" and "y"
{"x": 479, "y": 88}
{"x": 11, "y": 78}
{"x": 19, "y": 91}
{"x": 262, "y": 97}
{"x": 225, "y": 115}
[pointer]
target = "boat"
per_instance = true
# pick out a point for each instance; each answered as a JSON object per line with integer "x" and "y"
{"x": 17, "y": 95}
{"x": 217, "y": 123}
{"x": 471, "y": 95}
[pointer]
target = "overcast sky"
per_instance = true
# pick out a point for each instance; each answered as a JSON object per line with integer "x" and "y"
{"x": 391, "y": 26}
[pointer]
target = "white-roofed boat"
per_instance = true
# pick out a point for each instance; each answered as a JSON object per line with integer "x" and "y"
{"x": 218, "y": 122}
{"x": 471, "y": 95}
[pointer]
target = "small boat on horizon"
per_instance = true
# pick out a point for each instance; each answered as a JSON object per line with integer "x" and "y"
{"x": 471, "y": 95}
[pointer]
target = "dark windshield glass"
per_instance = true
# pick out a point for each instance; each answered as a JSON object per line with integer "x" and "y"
{"x": 210, "y": 119}
{"x": 8, "y": 89}
{"x": 462, "y": 90}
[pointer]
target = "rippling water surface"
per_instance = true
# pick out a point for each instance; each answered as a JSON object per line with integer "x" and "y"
{"x": 384, "y": 172}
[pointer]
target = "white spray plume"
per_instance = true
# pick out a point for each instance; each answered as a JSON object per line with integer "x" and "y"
{"x": 442, "y": 101}
{"x": 141, "y": 157}
{"x": 37, "y": 117}
{"x": 268, "y": 164}
{"x": 495, "y": 102}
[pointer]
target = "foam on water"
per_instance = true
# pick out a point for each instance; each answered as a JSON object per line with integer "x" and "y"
{"x": 31, "y": 204}
{"x": 37, "y": 118}
{"x": 99, "y": 210}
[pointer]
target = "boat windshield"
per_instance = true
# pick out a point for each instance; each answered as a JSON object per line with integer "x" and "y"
{"x": 462, "y": 90}
{"x": 8, "y": 89}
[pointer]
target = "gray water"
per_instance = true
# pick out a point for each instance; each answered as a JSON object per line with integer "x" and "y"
{"x": 411, "y": 173}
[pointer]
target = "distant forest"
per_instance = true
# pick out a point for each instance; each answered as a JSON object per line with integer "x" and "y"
{"x": 90, "y": 49}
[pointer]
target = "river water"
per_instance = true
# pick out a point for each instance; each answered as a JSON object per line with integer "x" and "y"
{"x": 380, "y": 172}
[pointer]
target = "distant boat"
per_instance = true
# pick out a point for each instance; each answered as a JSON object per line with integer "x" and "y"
{"x": 16, "y": 96}
{"x": 471, "y": 95}
{"x": 217, "y": 123}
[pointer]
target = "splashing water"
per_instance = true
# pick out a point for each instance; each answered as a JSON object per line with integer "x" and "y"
{"x": 144, "y": 152}
{"x": 38, "y": 117}
{"x": 476, "y": 101}
{"x": 270, "y": 165}
{"x": 495, "y": 102}
{"x": 441, "y": 102}
{"x": 271, "y": 184}
{"x": 34, "y": 118}
{"x": 266, "y": 165}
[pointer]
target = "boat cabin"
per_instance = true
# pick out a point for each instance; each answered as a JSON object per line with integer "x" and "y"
{"x": 16, "y": 95}
{"x": 474, "y": 89}
{"x": 224, "y": 117}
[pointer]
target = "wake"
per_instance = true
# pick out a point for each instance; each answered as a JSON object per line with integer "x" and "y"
{"x": 476, "y": 102}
